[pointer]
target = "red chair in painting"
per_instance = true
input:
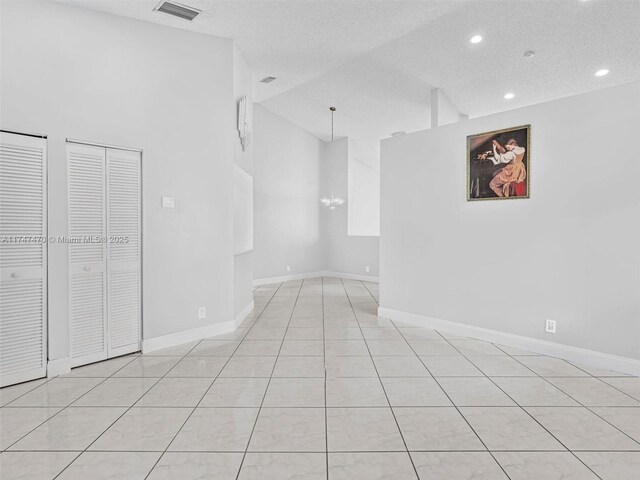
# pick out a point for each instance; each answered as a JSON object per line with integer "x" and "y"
{"x": 517, "y": 189}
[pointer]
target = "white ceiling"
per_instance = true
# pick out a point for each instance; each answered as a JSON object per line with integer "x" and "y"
{"x": 376, "y": 61}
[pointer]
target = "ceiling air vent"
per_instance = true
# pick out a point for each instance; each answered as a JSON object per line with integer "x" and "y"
{"x": 177, "y": 10}
{"x": 267, "y": 79}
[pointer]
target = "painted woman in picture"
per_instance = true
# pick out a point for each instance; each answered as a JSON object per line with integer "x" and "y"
{"x": 514, "y": 172}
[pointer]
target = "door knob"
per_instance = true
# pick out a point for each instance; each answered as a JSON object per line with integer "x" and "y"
{"x": 87, "y": 268}
{"x": 15, "y": 275}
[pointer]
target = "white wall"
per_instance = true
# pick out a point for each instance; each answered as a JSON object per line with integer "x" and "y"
{"x": 570, "y": 253}
{"x": 69, "y": 72}
{"x": 363, "y": 174}
{"x": 242, "y": 264}
{"x": 286, "y": 197}
{"x": 344, "y": 253}
{"x": 443, "y": 112}
{"x": 292, "y": 172}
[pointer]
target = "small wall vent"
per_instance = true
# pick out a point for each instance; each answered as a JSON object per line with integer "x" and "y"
{"x": 177, "y": 10}
{"x": 267, "y": 79}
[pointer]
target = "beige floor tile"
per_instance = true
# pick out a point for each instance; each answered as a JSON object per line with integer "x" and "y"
{"x": 509, "y": 428}
{"x": 543, "y": 466}
{"x": 436, "y": 429}
{"x": 197, "y": 466}
{"x": 289, "y": 430}
{"x": 457, "y": 466}
{"x": 371, "y": 466}
{"x": 284, "y": 466}
{"x": 362, "y": 429}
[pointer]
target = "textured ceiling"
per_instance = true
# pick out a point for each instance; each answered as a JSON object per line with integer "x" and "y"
{"x": 376, "y": 61}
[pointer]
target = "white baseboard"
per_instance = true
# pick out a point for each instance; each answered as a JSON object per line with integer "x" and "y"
{"x": 59, "y": 366}
{"x": 173, "y": 339}
{"x": 351, "y": 276}
{"x": 579, "y": 355}
{"x": 320, "y": 273}
{"x": 285, "y": 278}
{"x": 243, "y": 314}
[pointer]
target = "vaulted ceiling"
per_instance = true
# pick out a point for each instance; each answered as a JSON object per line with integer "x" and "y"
{"x": 378, "y": 60}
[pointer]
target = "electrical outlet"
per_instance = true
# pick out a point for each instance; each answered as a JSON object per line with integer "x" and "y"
{"x": 288, "y": 268}
{"x": 550, "y": 326}
{"x": 366, "y": 269}
{"x": 168, "y": 202}
{"x": 202, "y": 313}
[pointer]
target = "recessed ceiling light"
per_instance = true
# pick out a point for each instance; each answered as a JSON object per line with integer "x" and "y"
{"x": 602, "y": 72}
{"x": 509, "y": 96}
{"x": 267, "y": 79}
{"x": 476, "y": 39}
{"x": 529, "y": 54}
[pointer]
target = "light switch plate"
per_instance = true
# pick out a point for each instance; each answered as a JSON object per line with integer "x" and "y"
{"x": 168, "y": 202}
{"x": 202, "y": 313}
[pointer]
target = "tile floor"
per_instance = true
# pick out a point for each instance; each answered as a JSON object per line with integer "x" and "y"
{"x": 314, "y": 385}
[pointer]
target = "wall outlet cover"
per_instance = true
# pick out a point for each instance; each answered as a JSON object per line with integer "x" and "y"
{"x": 202, "y": 313}
{"x": 550, "y": 326}
{"x": 366, "y": 269}
{"x": 168, "y": 202}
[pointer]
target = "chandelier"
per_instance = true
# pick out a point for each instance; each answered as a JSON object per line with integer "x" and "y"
{"x": 332, "y": 202}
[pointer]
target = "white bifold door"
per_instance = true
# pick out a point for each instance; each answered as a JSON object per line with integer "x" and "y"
{"x": 23, "y": 258}
{"x": 104, "y": 252}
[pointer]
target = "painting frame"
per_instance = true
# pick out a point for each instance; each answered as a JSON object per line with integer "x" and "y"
{"x": 491, "y": 135}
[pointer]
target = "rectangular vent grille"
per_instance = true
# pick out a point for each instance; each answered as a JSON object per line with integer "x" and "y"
{"x": 177, "y": 10}
{"x": 267, "y": 79}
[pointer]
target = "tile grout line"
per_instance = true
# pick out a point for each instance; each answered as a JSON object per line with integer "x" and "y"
{"x": 382, "y": 385}
{"x": 336, "y": 451}
{"x": 371, "y": 294}
{"x": 567, "y": 407}
{"x": 546, "y": 379}
{"x": 127, "y": 409}
{"x": 516, "y": 403}
{"x": 46, "y": 380}
{"x": 103, "y": 380}
{"x": 275, "y": 364}
{"x": 212, "y": 383}
{"x": 587, "y": 374}
{"x": 580, "y": 404}
{"x": 324, "y": 363}
{"x": 452, "y": 402}
{"x": 62, "y": 409}
{"x": 536, "y": 375}
{"x": 134, "y": 403}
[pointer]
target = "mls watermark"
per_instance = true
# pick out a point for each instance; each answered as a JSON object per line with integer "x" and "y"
{"x": 62, "y": 239}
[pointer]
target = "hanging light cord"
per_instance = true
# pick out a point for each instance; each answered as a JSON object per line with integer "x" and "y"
{"x": 333, "y": 110}
{"x": 334, "y": 201}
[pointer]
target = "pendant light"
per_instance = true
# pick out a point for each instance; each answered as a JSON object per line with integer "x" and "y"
{"x": 332, "y": 202}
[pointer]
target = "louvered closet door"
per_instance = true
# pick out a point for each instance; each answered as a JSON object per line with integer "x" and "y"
{"x": 123, "y": 251}
{"x": 23, "y": 258}
{"x": 87, "y": 253}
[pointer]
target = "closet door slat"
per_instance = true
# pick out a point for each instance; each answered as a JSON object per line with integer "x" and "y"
{"x": 87, "y": 253}
{"x": 124, "y": 250}
{"x": 23, "y": 258}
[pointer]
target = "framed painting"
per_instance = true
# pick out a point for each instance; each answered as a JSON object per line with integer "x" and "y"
{"x": 498, "y": 164}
